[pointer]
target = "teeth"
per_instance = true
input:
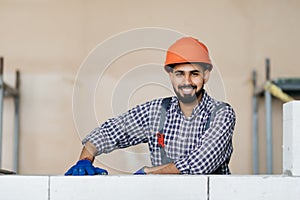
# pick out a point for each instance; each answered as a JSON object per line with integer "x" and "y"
{"x": 187, "y": 90}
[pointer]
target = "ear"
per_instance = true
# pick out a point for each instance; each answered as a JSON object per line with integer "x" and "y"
{"x": 206, "y": 75}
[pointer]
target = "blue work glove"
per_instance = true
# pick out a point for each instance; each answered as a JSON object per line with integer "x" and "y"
{"x": 85, "y": 167}
{"x": 140, "y": 172}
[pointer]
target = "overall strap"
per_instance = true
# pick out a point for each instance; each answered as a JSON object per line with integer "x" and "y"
{"x": 212, "y": 116}
{"x": 165, "y": 105}
{"x": 164, "y": 108}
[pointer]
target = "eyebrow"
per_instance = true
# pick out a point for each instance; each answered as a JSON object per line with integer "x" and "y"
{"x": 193, "y": 71}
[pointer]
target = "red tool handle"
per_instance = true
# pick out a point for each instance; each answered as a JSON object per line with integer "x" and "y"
{"x": 160, "y": 139}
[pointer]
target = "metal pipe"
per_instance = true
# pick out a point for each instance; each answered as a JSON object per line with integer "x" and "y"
{"x": 17, "y": 124}
{"x": 268, "y": 102}
{"x": 254, "y": 125}
{"x": 268, "y": 69}
{"x": 16, "y": 135}
{"x": 1, "y": 106}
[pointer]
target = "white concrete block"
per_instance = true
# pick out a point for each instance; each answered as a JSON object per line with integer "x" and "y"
{"x": 254, "y": 187}
{"x": 291, "y": 110}
{"x": 16, "y": 187}
{"x": 291, "y": 138}
{"x": 129, "y": 187}
{"x": 287, "y": 147}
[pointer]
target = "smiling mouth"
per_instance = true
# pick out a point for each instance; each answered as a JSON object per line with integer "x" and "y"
{"x": 187, "y": 89}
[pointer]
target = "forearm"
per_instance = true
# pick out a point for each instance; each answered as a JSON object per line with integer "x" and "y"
{"x": 162, "y": 169}
{"x": 121, "y": 131}
{"x": 88, "y": 152}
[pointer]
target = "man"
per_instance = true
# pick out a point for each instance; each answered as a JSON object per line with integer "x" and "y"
{"x": 187, "y": 134}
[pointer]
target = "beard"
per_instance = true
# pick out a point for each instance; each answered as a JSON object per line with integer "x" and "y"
{"x": 187, "y": 98}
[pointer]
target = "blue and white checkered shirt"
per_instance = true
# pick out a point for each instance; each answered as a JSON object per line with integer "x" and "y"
{"x": 193, "y": 149}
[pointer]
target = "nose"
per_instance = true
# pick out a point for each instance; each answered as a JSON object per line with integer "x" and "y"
{"x": 187, "y": 79}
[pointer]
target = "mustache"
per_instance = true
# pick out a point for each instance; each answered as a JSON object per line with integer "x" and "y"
{"x": 187, "y": 86}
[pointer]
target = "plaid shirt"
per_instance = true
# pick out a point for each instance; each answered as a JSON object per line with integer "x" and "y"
{"x": 193, "y": 149}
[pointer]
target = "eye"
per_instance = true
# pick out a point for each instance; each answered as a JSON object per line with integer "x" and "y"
{"x": 178, "y": 74}
{"x": 195, "y": 74}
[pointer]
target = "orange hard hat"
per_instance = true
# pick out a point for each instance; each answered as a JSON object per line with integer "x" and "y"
{"x": 188, "y": 50}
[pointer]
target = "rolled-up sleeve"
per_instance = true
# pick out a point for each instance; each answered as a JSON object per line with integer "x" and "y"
{"x": 122, "y": 131}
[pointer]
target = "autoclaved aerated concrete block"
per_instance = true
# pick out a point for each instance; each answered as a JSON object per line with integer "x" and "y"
{"x": 24, "y": 187}
{"x": 159, "y": 187}
{"x": 291, "y": 138}
{"x": 254, "y": 187}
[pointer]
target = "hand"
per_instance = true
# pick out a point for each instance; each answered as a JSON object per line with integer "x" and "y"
{"x": 140, "y": 172}
{"x": 161, "y": 169}
{"x": 85, "y": 167}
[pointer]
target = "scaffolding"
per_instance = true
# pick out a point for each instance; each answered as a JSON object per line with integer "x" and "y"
{"x": 13, "y": 92}
{"x": 283, "y": 89}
